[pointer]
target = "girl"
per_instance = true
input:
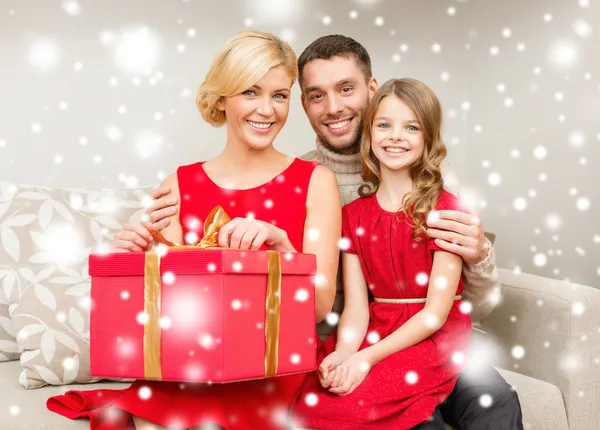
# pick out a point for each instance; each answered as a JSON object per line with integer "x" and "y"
{"x": 398, "y": 350}
{"x": 273, "y": 200}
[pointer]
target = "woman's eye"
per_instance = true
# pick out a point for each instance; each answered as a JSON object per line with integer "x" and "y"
{"x": 249, "y": 93}
{"x": 280, "y": 96}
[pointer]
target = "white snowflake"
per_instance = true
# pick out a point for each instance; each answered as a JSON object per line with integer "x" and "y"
{"x": 494, "y": 179}
{"x": 520, "y": 204}
{"x": 168, "y": 278}
{"x": 485, "y": 400}
{"x": 582, "y": 29}
{"x": 44, "y": 54}
{"x": 518, "y": 352}
{"x": 311, "y": 399}
{"x": 578, "y": 308}
{"x": 138, "y": 50}
{"x": 301, "y": 295}
{"x": 314, "y": 234}
{"x": 583, "y": 204}
{"x": 411, "y": 377}
{"x": 206, "y": 341}
{"x": 333, "y": 319}
{"x": 145, "y": 393}
{"x": 142, "y": 318}
{"x": 344, "y": 244}
{"x": 236, "y": 305}
{"x": 466, "y": 307}
{"x": 373, "y": 337}
{"x": 458, "y": 358}
{"x": 540, "y": 152}
{"x": 422, "y": 279}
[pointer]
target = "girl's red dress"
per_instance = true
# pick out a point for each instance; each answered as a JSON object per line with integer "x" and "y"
{"x": 404, "y": 389}
{"x": 249, "y": 405}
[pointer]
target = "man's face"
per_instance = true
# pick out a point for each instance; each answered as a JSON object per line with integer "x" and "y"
{"x": 335, "y": 97}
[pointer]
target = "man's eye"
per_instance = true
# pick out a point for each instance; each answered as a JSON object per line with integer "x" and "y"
{"x": 347, "y": 89}
{"x": 316, "y": 96}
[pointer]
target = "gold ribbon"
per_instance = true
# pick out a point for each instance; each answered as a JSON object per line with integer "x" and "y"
{"x": 216, "y": 219}
{"x": 272, "y": 315}
{"x": 152, "y": 332}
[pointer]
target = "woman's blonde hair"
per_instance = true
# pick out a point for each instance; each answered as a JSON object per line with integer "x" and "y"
{"x": 425, "y": 173}
{"x": 242, "y": 62}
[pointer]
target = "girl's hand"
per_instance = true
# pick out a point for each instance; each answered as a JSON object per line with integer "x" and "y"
{"x": 329, "y": 364}
{"x": 351, "y": 373}
{"x": 133, "y": 237}
{"x": 250, "y": 233}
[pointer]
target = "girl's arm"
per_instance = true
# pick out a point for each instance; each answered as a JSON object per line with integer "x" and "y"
{"x": 322, "y": 232}
{"x": 354, "y": 321}
{"x": 443, "y": 282}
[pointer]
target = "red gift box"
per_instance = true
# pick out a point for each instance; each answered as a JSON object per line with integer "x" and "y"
{"x": 202, "y": 315}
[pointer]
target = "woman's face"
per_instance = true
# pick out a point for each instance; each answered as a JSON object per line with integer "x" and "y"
{"x": 256, "y": 116}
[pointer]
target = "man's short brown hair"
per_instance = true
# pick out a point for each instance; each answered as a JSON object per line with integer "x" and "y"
{"x": 335, "y": 45}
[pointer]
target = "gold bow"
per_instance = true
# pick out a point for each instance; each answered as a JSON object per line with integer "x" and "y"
{"x": 216, "y": 219}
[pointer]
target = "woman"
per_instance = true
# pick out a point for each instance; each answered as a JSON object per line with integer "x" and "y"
{"x": 275, "y": 202}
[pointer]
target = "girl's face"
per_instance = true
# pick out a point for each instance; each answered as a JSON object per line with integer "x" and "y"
{"x": 396, "y": 136}
{"x": 256, "y": 116}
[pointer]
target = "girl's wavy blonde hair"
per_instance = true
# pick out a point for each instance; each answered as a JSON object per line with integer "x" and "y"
{"x": 426, "y": 172}
{"x": 242, "y": 62}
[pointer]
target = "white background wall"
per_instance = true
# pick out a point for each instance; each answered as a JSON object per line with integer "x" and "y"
{"x": 87, "y": 99}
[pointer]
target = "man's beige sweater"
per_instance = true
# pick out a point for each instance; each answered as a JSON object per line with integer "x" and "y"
{"x": 481, "y": 280}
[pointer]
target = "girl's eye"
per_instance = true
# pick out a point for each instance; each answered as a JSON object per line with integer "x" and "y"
{"x": 412, "y": 128}
{"x": 383, "y": 125}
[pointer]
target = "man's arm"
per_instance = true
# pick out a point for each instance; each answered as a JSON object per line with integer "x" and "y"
{"x": 462, "y": 234}
{"x": 482, "y": 286}
{"x": 162, "y": 206}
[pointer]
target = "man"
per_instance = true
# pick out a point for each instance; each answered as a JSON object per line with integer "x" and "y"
{"x": 337, "y": 83}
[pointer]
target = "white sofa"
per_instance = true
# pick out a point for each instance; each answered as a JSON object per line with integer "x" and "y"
{"x": 555, "y": 324}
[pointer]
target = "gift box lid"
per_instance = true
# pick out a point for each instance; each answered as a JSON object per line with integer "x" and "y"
{"x": 201, "y": 261}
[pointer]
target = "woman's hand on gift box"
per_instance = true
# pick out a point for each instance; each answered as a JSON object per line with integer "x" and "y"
{"x": 351, "y": 373}
{"x": 133, "y": 237}
{"x": 250, "y": 233}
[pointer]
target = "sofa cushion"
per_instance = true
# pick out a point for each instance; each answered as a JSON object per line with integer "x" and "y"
{"x": 542, "y": 403}
{"x": 26, "y": 409}
{"x": 51, "y": 233}
{"x": 9, "y": 220}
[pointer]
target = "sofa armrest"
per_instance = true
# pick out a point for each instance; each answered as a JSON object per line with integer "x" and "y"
{"x": 558, "y": 325}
